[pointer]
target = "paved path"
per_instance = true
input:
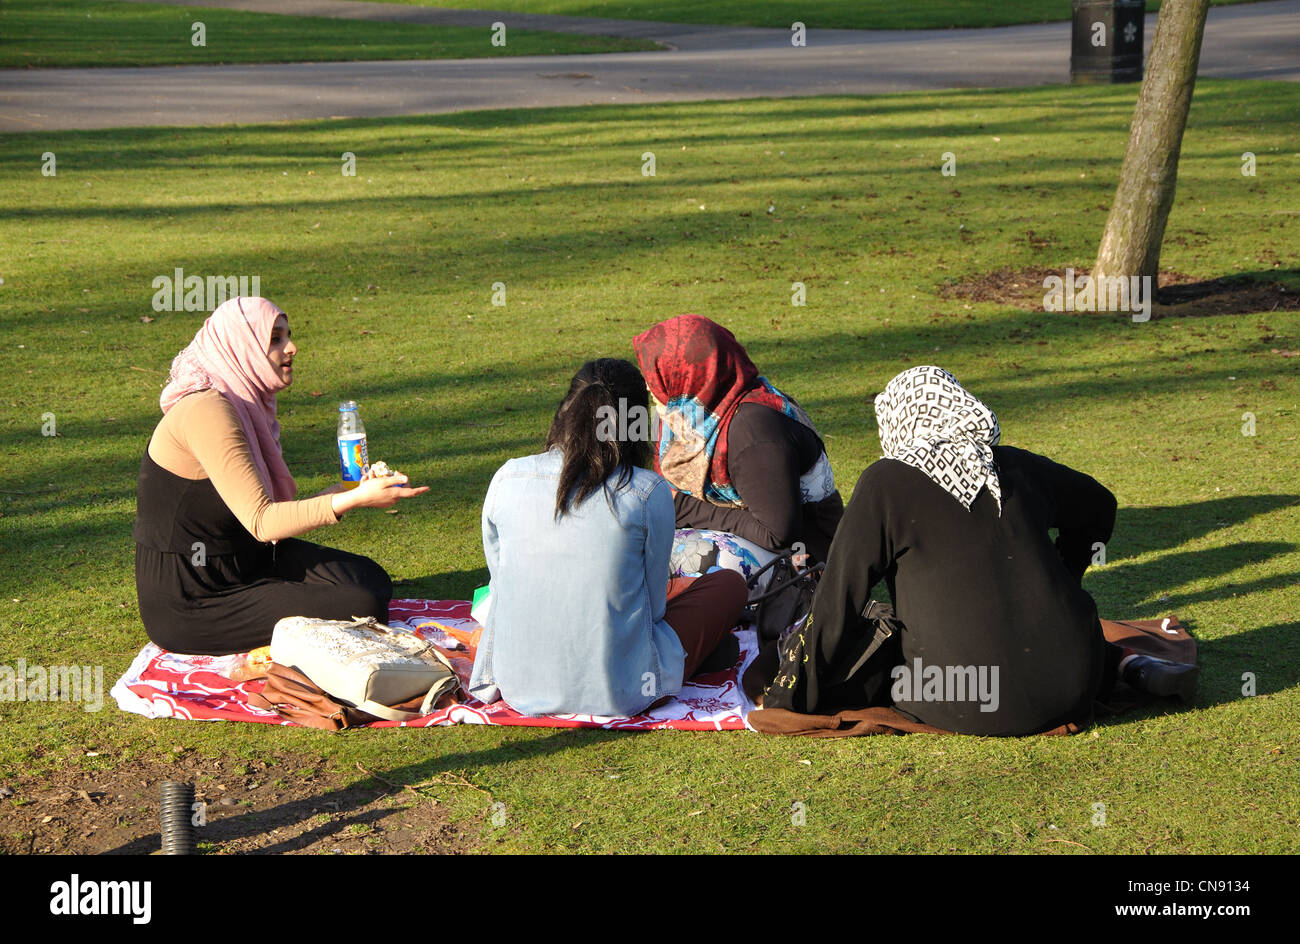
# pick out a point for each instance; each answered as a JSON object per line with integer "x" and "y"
{"x": 1258, "y": 40}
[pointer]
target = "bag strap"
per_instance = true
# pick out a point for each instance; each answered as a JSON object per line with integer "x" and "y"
{"x": 799, "y": 575}
{"x": 449, "y": 682}
{"x": 878, "y": 639}
{"x": 440, "y": 687}
{"x": 781, "y": 555}
{"x": 884, "y": 624}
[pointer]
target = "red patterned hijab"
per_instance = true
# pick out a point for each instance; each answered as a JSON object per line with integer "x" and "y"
{"x": 699, "y": 374}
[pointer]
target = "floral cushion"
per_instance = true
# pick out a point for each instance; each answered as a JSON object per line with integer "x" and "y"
{"x": 696, "y": 550}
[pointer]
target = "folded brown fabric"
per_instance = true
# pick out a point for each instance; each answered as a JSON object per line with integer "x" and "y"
{"x": 295, "y": 697}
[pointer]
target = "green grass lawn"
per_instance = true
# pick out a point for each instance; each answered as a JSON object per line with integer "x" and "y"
{"x": 68, "y": 33}
{"x": 818, "y": 14}
{"x": 387, "y": 277}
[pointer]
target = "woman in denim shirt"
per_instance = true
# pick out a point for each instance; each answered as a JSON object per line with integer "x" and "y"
{"x": 577, "y": 540}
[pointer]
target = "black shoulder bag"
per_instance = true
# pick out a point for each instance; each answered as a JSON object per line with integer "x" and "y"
{"x": 788, "y": 598}
{"x": 860, "y": 676}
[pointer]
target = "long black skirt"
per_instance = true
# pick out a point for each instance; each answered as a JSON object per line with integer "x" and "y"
{"x": 231, "y": 603}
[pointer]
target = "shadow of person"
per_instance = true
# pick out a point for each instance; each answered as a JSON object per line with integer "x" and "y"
{"x": 1130, "y": 589}
{"x": 1248, "y": 664}
{"x": 1158, "y": 527}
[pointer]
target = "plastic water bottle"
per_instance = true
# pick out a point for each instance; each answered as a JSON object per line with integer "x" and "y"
{"x": 353, "y": 457}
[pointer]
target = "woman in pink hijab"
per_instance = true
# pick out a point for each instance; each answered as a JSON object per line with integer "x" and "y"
{"x": 217, "y": 558}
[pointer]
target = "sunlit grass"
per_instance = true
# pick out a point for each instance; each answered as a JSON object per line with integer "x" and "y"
{"x": 67, "y": 33}
{"x": 387, "y": 277}
{"x": 814, "y": 14}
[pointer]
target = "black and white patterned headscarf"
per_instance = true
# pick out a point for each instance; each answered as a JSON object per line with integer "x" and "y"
{"x": 928, "y": 420}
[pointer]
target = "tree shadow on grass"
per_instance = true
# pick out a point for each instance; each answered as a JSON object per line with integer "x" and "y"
{"x": 1107, "y": 110}
{"x": 1270, "y": 653}
{"x": 1240, "y": 293}
{"x": 325, "y": 139}
{"x": 609, "y": 241}
{"x": 1167, "y": 528}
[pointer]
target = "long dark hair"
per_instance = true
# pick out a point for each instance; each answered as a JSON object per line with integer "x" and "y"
{"x": 594, "y": 447}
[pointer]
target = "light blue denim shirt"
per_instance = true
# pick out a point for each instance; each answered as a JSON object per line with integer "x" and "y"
{"x": 576, "y": 624}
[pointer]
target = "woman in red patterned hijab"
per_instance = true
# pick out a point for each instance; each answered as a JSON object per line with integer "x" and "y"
{"x": 700, "y": 377}
{"x": 699, "y": 374}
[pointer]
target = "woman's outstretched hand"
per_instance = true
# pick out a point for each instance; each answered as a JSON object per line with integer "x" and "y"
{"x": 377, "y": 492}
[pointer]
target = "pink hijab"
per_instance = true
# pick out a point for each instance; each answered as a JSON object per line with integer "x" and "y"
{"x": 228, "y": 354}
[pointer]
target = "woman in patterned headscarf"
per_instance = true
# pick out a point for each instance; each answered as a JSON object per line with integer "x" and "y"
{"x": 742, "y": 456}
{"x": 928, "y": 421}
{"x": 999, "y": 637}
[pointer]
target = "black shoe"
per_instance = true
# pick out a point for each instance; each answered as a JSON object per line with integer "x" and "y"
{"x": 1160, "y": 677}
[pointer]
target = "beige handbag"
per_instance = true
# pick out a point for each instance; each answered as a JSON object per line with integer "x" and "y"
{"x": 365, "y": 664}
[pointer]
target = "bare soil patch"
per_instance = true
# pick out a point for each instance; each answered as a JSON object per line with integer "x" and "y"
{"x": 1180, "y": 295}
{"x": 286, "y": 804}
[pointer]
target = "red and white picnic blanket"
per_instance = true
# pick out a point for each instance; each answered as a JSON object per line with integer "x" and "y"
{"x": 161, "y": 684}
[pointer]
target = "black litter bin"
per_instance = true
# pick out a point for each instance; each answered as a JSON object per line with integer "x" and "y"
{"x": 1106, "y": 42}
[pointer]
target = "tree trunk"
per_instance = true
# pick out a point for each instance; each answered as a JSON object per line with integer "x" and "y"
{"x": 1130, "y": 245}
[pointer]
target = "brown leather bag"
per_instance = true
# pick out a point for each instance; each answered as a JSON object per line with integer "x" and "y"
{"x": 296, "y": 698}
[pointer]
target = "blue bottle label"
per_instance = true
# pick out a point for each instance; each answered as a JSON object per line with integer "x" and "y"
{"x": 353, "y": 458}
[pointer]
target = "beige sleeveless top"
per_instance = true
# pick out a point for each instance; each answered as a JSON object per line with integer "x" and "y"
{"x": 201, "y": 438}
